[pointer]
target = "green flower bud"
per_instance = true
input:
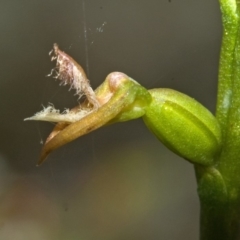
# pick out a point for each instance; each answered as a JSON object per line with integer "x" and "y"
{"x": 184, "y": 126}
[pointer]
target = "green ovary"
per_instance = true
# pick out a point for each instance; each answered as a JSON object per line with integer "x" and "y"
{"x": 184, "y": 126}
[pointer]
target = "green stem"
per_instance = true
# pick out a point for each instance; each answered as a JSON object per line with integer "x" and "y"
{"x": 230, "y": 28}
{"x": 220, "y": 201}
{"x": 217, "y": 215}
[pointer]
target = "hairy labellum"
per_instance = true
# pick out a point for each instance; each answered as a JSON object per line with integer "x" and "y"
{"x": 50, "y": 114}
{"x": 70, "y": 72}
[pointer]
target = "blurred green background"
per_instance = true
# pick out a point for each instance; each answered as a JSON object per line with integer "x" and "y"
{"x": 118, "y": 182}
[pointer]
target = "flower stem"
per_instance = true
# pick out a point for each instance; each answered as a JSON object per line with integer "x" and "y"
{"x": 220, "y": 199}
